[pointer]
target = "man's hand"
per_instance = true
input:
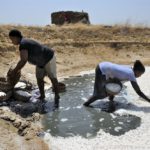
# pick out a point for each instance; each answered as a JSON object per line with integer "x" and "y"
{"x": 20, "y": 64}
{"x": 13, "y": 76}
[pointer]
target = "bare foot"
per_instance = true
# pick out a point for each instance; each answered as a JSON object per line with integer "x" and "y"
{"x": 111, "y": 107}
{"x": 86, "y": 104}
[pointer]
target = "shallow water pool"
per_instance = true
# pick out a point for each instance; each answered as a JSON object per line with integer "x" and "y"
{"x": 74, "y": 119}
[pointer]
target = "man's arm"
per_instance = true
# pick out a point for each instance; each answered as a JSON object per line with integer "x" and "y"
{"x": 22, "y": 61}
{"x": 138, "y": 91}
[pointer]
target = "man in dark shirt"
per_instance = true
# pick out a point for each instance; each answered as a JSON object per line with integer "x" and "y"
{"x": 40, "y": 56}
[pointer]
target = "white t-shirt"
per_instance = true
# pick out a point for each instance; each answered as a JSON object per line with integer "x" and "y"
{"x": 121, "y": 72}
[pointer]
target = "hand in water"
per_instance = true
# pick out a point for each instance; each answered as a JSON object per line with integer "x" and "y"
{"x": 87, "y": 105}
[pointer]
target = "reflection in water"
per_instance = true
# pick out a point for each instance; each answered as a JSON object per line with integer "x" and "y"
{"x": 74, "y": 119}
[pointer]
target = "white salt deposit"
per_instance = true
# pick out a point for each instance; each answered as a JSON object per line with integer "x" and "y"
{"x": 33, "y": 100}
{"x": 102, "y": 119}
{"x": 120, "y": 122}
{"x": 84, "y": 98}
{"x": 137, "y": 139}
{"x": 2, "y": 94}
{"x": 64, "y": 120}
{"x": 121, "y": 112}
{"x": 79, "y": 107}
{"x": 113, "y": 116}
{"x": 74, "y": 84}
{"x": 88, "y": 135}
{"x": 23, "y": 93}
{"x": 87, "y": 72}
{"x": 117, "y": 129}
{"x": 67, "y": 108}
{"x": 20, "y": 85}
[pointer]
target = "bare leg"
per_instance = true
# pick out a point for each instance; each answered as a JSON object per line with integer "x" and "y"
{"x": 55, "y": 86}
{"x": 90, "y": 100}
{"x": 98, "y": 87}
{"x": 40, "y": 83}
{"x": 111, "y": 104}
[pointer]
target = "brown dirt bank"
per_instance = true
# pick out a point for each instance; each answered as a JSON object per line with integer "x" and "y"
{"x": 20, "y": 133}
{"x": 78, "y": 48}
{"x": 10, "y": 140}
{"x": 81, "y": 47}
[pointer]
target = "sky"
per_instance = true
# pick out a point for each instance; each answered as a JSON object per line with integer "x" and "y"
{"x": 106, "y": 12}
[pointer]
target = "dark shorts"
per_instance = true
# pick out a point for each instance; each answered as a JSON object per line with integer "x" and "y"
{"x": 99, "y": 85}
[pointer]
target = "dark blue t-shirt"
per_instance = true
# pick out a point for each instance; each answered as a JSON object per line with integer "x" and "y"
{"x": 38, "y": 54}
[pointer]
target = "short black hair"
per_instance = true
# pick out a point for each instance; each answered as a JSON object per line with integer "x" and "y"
{"x": 138, "y": 66}
{"x": 15, "y": 33}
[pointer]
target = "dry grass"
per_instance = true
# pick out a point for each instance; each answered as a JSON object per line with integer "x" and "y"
{"x": 80, "y": 47}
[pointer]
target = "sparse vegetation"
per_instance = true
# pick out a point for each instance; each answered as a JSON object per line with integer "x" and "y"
{"x": 83, "y": 46}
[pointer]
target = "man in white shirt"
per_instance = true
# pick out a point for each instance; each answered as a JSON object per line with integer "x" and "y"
{"x": 107, "y": 70}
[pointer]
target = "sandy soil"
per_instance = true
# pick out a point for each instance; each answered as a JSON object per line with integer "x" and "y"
{"x": 78, "y": 48}
{"x": 10, "y": 140}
